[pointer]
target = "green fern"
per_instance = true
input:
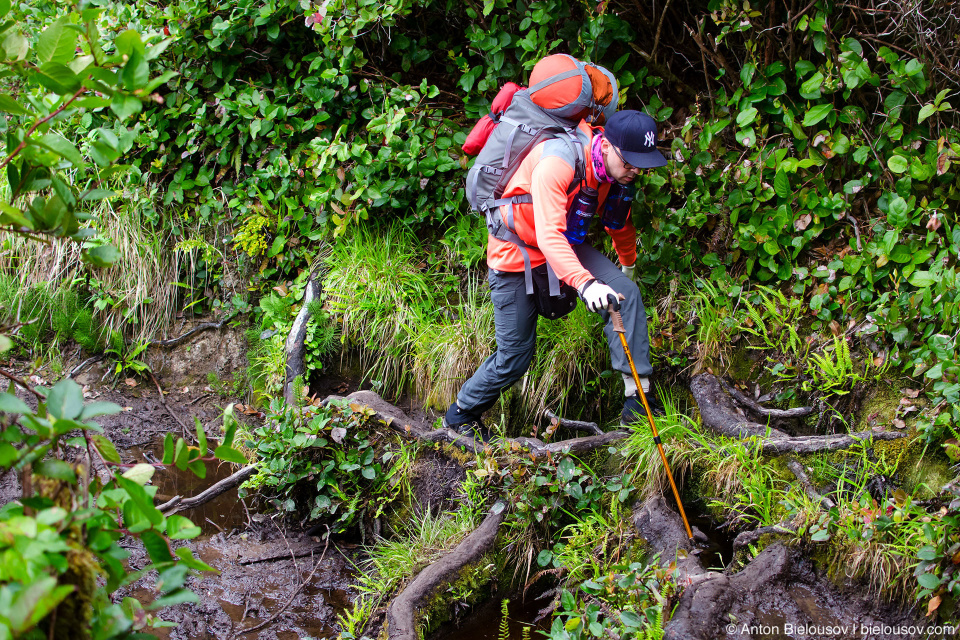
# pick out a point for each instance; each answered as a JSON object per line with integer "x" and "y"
{"x": 504, "y": 632}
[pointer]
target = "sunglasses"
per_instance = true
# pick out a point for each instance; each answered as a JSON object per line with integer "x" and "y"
{"x": 626, "y": 165}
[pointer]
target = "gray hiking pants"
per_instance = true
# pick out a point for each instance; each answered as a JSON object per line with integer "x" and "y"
{"x": 515, "y": 316}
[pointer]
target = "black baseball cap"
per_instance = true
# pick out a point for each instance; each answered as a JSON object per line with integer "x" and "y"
{"x": 635, "y": 135}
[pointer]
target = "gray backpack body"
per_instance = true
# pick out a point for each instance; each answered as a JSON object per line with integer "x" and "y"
{"x": 522, "y": 126}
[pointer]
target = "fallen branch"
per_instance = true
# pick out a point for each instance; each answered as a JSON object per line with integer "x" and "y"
{"x": 576, "y": 425}
{"x": 176, "y": 503}
{"x": 722, "y": 416}
{"x": 401, "y": 616}
{"x": 83, "y": 365}
{"x": 173, "y": 342}
{"x": 745, "y": 400}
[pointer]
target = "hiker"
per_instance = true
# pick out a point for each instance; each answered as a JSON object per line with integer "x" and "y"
{"x": 614, "y": 155}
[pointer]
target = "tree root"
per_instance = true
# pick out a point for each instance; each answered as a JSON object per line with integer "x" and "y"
{"x": 749, "y": 537}
{"x": 173, "y": 342}
{"x": 383, "y": 412}
{"x": 799, "y": 412}
{"x": 177, "y": 503}
{"x": 401, "y": 616}
{"x": 797, "y": 469}
{"x": 720, "y": 414}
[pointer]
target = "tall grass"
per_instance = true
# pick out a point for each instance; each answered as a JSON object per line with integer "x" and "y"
{"x": 383, "y": 293}
{"x": 136, "y": 296}
{"x": 572, "y": 354}
{"x": 450, "y": 349}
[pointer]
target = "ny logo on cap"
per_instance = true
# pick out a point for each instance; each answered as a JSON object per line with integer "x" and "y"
{"x": 650, "y": 139}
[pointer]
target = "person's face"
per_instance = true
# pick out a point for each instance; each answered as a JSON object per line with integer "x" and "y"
{"x": 617, "y": 168}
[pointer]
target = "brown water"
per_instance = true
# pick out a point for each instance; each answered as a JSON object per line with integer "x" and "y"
{"x": 223, "y": 513}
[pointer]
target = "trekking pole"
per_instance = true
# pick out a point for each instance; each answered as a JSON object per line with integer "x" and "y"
{"x": 617, "y": 322}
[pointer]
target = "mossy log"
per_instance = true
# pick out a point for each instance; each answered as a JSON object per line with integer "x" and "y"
{"x": 722, "y": 415}
{"x": 402, "y": 614}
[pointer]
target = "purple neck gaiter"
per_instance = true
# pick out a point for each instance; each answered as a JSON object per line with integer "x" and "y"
{"x": 599, "y": 168}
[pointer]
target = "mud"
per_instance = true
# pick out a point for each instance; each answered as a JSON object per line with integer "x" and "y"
{"x": 259, "y": 570}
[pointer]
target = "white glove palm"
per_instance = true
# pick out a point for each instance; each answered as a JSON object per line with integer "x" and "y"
{"x": 597, "y": 296}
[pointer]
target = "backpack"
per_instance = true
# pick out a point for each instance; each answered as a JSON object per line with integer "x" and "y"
{"x": 563, "y": 91}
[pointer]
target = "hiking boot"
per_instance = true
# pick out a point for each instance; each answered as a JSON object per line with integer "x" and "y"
{"x": 466, "y": 423}
{"x": 633, "y": 410}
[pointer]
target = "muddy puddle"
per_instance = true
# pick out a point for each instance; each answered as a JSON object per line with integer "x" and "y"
{"x": 221, "y": 515}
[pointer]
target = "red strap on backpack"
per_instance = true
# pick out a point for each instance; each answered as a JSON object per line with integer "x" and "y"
{"x": 485, "y": 125}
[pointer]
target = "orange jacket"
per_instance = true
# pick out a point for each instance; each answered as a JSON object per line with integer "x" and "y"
{"x": 542, "y": 223}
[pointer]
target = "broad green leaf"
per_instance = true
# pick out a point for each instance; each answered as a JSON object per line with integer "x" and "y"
{"x": 58, "y": 78}
{"x": 62, "y": 147}
{"x": 229, "y": 454}
{"x": 921, "y": 279}
{"x": 35, "y": 602}
{"x": 747, "y": 116}
{"x": 15, "y": 45}
{"x": 631, "y": 619}
{"x": 12, "y": 216}
{"x": 180, "y": 528}
{"x": 9, "y": 105}
{"x": 125, "y": 106}
{"x": 140, "y": 473}
{"x": 142, "y": 500}
{"x": 186, "y": 556}
{"x": 898, "y": 213}
{"x": 816, "y": 114}
{"x": 10, "y": 403}
{"x": 157, "y": 547}
{"x": 57, "y": 469}
{"x": 925, "y": 112}
{"x": 928, "y": 580}
{"x": 65, "y": 400}
{"x": 898, "y": 164}
{"x": 57, "y": 42}
{"x": 102, "y": 256}
{"x": 5, "y": 343}
{"x": 181, "y": 455}
{"x": 781, "y": 184}
{"x": 95, "y": 409}
{"x": 106, "y": 448}
{"x": 136, "y": 72}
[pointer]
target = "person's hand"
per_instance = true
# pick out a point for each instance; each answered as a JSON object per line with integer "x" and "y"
{"x": 597, "y": 296}
{"x": 629, "y": 271}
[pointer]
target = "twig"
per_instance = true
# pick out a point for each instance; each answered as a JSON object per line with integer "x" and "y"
{"x": 198, "y": 399}
{"x": 172, "y": 342}
{"x": 749, "y": 537}
{"x": 286, "y": 543}
{"x": 7, "y": 374}
{"x": 163, "y": 401}
{"x": 23, "y": 143}
{"x": 856, "y": 228}
{"x": 215, "y": 524}
{"x": 656, "y": 38}
{"x": 294, "y": 594}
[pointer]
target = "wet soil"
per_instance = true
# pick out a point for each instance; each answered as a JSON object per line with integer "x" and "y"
{"x": 260, "y": 564}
